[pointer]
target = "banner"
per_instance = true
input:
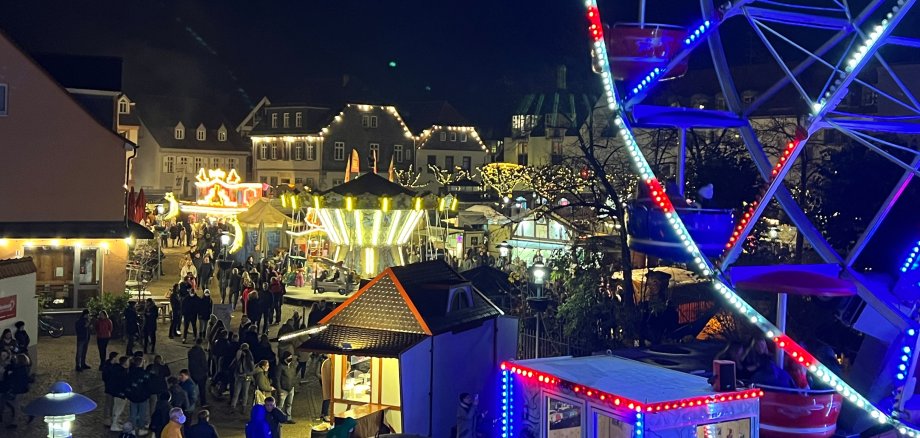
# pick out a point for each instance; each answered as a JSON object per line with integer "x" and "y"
{"x": 7, "y": 307}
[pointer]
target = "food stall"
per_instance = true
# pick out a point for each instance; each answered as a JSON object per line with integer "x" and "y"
{"x": 613, "y": 397}
{"x": 406, "y": 345}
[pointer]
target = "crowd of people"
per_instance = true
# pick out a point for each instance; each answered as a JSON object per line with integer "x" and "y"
{"x": 15, "y": 372}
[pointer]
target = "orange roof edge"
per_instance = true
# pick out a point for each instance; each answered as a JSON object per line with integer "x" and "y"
{"x": 402, "y": 291}
{"x": 352, "y": 298}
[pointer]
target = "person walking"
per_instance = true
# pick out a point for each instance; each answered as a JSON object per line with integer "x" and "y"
{"x": 235, "y": 287}
{"x": 132, "y": 327}
{"x": 190, "y": 308}
{"x": 262, "y": 382}
{"x": 151, "y": 313}
{"x": 243, "y": 367}
{"x": 203, "y": 428}
{"x": 205, "y": 272}
{"x": 253, "y": 306}
{"x": 275, "y": 416}
{"x": 287, "y": 380}
{"x": 175, "y": 306}
{"x": 276, "y": 290}
{"x": 103, "y": 328}
{"x": 81, "y": 328}
{"x": 173, "y": 429}
{"x": 267, "y": 305}
{"x": 198, "y": 370}
{"x": 205, "y": 310}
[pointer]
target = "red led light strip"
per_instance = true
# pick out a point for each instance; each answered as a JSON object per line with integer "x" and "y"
{"x": 626, "y": 403}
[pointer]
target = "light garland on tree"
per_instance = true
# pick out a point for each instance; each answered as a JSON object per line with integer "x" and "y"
{"x": 504, "y": 178}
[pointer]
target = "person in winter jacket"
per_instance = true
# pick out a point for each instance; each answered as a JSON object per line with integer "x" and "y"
{"x": 103, "y": 328}
{"x": 160, "y": 416}
{"x": 262, "y": 382}
{"x": 173, "y": 429}
{"x": 109, "y": 386}
{"x": 175, "y": 305}
{"x": 235, "y": 287}
{"x": 254, "y": 307}
{"x": 151, "y": 313}
{"x": 119, "y": 378}
{"x": 190, "y": 309}
{"x": 81, "y": 328}
{"x": 203, "y": 428}
{"x": 205, "y": 272}
{"x": 178, "y": 398}
{"x": 205, "y": 310}
{"x": 287, "y": 381}
{"x": 243, "y": 367}
{"x": 198, "y": 370}
{"x": 22, "y": 338}
{"x": 258, "y": 426}
{"x": 275, "y": 416}
{"x": 132, "y": 328}
{"x": 138, "y": 391}
{"x": 190, "y": 387}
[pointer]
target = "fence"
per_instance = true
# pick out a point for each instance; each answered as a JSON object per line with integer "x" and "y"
{"x": 549, "y": 345}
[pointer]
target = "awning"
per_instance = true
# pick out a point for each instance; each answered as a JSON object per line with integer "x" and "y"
{"x": 536, "y": 244}
{"x": 338, "y": 339}
{"x": 73, "y": 230}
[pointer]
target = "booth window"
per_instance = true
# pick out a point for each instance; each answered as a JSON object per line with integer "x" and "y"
{"x": 460, "y": 298}
{"x": 357, "y": 384}
{"x": 610, "y": 427}
{"x": 563, "y": 418}
{"x": 740, "y": 428}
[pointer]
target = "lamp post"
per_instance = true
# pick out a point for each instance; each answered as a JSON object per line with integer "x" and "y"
{"x": 59, "y": 407}
{"x": 504, "y": 251}
{"x": 161, "y": 228}
{"x": 224, "y": 242}
{"x": 539, "y": 303}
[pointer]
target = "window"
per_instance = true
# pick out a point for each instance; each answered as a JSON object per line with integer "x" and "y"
{"x": 449, "y": 162}
{"x": 453, "y": 136}
{"x": 263, "y": 179}
{"x": 443, "y": 136}
{"x": 169, "y": 163}
{"x": 298, "y": 150}
{"x": 365, "y": 121}
{"x": 463, "y": 137}
{"x": 398, "y": 153}
{"x": 263, "y": 151}
{"x": 432, "y": 161}
{"x": 231, "y": 163}
{"x": 215, "y": 163}
{"x": 298, "y": 120}
{"x": 467, "y": 163}
{"x": 183, "y": 164}
{"x": 274, "y": 120}
{"x": 311, "y": 151}
{"x": 555, "y": 156}
{"x": 374, "y": 155}
{"x": 180, "y": 132}
{"x": 309, "y": 182}
{"x": 373, "y": 121}
{"x": 199, "y": 163}
{"x": 200, "y": 133}
{"x": 274, "y": 151}
{"x": 122, "y": 106}
{"x": 409, "y": 154}
{"x": 285, "y": 181}
{"x": 338, "y": 152}
{"x": 337, "y": 182}
{"x": 3, "y": 106}
{"x": 287, "y": 120}
{"x": 222, "y": 135}
{"x": 522, "y": 153}
{"x": 298, "y": 181}
{"x": 460, "y": 298}
{"x": 748, "y": 96}
{"x": 563, "y": 418}
{"x": 273, "y": 180}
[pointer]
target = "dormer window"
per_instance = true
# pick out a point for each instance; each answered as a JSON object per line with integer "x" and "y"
{"x": 123, "y": 106}
{"x": 460, "y": 298}
{"x": 222, "y": 133}
{"x": 180, "y": 132}
{"x": 200, "y": 133}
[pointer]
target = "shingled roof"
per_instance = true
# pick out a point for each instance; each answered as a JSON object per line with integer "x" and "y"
{"x": 370, "y": 184}
{"x": 15, "y": 267}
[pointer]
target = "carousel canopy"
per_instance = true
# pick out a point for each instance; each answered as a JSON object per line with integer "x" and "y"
{"x": 369, "y": 184}
{"x": 262, "y": 212}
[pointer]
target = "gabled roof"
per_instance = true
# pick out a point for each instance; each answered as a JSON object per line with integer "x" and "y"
{"x": 262, "y": 212}
{"x": 363, "y": 342}
{"x": 314, "y": 119}
{"x": 422, "y": 115}
{"x": 369, "y": 184}
{"x": 15, "y": 267}
{"x": 161, "y": 114}
{"x": 412, "y": 299}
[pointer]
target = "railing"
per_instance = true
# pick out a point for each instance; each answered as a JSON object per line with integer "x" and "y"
{"x": 549, "y": 346}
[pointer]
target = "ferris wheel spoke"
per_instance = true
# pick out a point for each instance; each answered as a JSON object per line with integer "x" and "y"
{"x": 756, "y": 25}
{"x": 864, "y": 140}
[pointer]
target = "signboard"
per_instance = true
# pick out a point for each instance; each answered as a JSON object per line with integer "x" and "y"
{"x": 7, "y": 307}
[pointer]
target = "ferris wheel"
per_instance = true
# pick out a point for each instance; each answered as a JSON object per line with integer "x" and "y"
{"x": 820, "y": 51}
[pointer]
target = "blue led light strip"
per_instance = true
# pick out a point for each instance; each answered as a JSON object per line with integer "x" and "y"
{"x": 913, "y": 259}
{"x": 694, "y": 37}
{"x": 702, "y": 265}
{"x": 507, "y": 404}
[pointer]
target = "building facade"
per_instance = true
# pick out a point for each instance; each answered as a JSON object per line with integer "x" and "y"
{"x": 66, "y": 185}
{"x": 312, "y": 145}
{"x": 177, "y": 138}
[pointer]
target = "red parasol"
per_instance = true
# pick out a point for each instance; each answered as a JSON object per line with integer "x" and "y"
{"x": 140, "y": 208}
{"x": 129, "y": 207}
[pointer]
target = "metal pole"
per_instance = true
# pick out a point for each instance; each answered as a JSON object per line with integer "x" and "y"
{"x": 536, "y": 345}
{"x": 682, "y": 163}
{"x": 642, "y": 14}
{"x": 780, "y": 323}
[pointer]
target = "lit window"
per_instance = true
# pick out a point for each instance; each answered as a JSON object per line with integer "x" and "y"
{"x": 463, "y": 138}
{"x": 298, "y": 120}
{"x": 183, "y": 164}
{"x": 274, "y": 151}
{"x": 453, "y": 136}
{"x": 287, "y": 120}
{"x": 3, "y": 100}
{"x": 200, "y": 134}
{"x": 263, "y": 151}
{"x": 365, "y": 121}
{"x": 298, "y": 150}
{"x": 222, "y": 135}
{"x": 168, "y": 164}
{"x": 123, "y": 106}
{"x": 199, "y": 163}
{"x": 398, "y": 153}
{"x": 311, "y": 151}
{"x": 339, "y": 151}
{"x": 231, "y": 163}
{"x": 180, "y": 132}
{"x": 373, "y": 121}
{"x": 274, "y": 120}
{"x": 215, "y": 163}
{"x": 443, "y": 136}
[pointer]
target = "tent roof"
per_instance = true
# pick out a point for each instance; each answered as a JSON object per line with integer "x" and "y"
{"x": 262, "y": 212}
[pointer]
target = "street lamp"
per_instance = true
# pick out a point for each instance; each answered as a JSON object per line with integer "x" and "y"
{"x": 59, "y": 408}
{"x": 538, "y": 303}
{"x": 224, "y": 242}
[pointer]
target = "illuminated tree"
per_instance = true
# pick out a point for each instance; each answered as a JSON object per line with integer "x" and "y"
{"x": 504, "y": 178}
{"x": 409, "y": 178}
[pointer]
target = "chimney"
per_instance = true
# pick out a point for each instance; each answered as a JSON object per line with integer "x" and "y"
{"x": 560, "y": 77}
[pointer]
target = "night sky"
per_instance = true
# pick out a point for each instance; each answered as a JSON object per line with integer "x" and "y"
{"x": 482, "y": 56}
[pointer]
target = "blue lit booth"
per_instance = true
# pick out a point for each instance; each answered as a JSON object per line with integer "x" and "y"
{"x": 406, "y": 345}
{"x": 613, "y": 397}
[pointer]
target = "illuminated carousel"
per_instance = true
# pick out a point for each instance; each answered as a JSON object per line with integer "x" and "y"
{"x": 370, "y": 220}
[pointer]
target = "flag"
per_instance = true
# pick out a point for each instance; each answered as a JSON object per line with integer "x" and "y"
{"x": 355, "y": 162}
{"x": 391, "y": 173}
{"x": 375, "y": 162}
{"x": 347, "y": 171}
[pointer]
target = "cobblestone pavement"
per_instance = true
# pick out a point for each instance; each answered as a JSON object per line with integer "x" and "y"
{"x": 56, "y": 362}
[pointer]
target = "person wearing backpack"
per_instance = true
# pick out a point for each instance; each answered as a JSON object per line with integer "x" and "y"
{"x": 243, "y": 366}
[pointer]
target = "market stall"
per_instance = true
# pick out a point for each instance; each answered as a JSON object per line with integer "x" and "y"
{"x": 404, "y": 346}
{"x": 613, "y": 397}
